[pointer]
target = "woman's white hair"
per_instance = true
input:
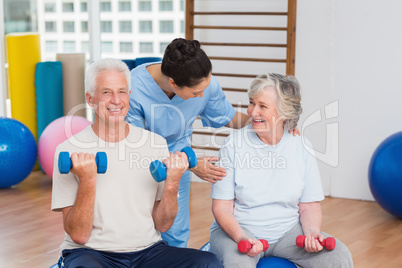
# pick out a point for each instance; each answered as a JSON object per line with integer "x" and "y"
{"x": 288, "y": 95}
{"x": 104, "y": 65}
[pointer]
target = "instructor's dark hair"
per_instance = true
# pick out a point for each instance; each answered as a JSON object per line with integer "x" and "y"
{"x": 185, "y": 62}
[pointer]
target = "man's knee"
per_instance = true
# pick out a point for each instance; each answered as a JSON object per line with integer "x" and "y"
{"x": 82, "y": 258}
{"x": 212, "y": 260}
{"x": 206, "y": 259}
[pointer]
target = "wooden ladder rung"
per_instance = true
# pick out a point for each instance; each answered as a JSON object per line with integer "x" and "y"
{"x": 239, "y": 28}
{"x": 244, "y": 106}
{"x": 247, "y": 59}
{"x": 234, "y": 89}
{"x": 210, "y": 133}
{"x": 236, "y": 75}
{"x": 240, "y": 13}
{"x": 204, "y": 148}
{"x": 242, "y": 44}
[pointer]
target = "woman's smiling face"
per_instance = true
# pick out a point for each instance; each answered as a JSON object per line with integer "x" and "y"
{"x": 263, "y": 112}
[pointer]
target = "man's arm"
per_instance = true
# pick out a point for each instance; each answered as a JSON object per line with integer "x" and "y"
{"x": 165, "y": 210}
{"x": 78, "y": 219}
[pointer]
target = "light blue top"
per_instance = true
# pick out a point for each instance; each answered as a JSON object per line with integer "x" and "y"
{"x": 267, "y": 182}
{"x": 151, "y": 108}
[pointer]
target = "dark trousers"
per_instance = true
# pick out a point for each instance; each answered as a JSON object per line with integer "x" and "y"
{"x": 158, "y": 255}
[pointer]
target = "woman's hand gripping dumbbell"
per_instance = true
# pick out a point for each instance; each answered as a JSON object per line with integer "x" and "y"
{"x": 158, "y": 169}
{"x": 328, "y": 243}
{"x": 245, "y": 246}
{"x": 65, "y": 164}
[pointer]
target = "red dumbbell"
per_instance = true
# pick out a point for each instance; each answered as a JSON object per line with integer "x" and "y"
{"x": 328, "y": 243}
{"x": 245, "y": 246}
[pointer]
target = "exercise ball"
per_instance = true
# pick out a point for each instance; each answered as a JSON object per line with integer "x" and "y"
{"x": 267, "y": 262}
{"x": 275, "y": 262}
{"x": 17, "y": 152}
{"x": 54, "y": 134}
{"x": 385, "y": 174}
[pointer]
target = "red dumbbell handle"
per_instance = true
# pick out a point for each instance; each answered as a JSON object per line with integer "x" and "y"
{"x": 245, "y": 246}
{"x": 328, "y": 243}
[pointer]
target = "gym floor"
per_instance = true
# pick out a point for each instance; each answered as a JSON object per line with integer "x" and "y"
{"x": 30, "y": 233}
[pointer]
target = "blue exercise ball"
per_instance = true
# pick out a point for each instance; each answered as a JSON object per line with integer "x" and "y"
{"x": 275, "y": 262}
{"x": 385, "y": 174}
{"x": 17, "y": 152}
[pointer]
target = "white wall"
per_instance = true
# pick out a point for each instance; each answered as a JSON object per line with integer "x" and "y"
{"x": 350, "y": 51}
{"x": 348, "y": 56}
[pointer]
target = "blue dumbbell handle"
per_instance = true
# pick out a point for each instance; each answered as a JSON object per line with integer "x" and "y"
{"x": 65, "y": 163}
{"x": 158, "y": 169}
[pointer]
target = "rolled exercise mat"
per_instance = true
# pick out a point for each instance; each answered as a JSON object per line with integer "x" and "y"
{"x": 23, "y": 53}
{"x": 49, "y": 93}
{"x": 130, "y": 64}
{"x": 73, "y": 65}
{"x": 142, "y": 60}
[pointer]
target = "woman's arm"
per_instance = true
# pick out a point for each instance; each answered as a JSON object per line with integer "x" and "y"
{"x": 207, "y": 170}
{"x": 310, "y": 219}
{"x": 223, "y": 213}
{"x": 238, "y": 121}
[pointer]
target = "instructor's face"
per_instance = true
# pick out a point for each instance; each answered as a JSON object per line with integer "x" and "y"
{"x": 192, "y": 92}
{"x": 111, "y": 97}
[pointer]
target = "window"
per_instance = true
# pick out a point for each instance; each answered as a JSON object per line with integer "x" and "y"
{"x": 181, "y": 5}
{"x": 85, "y": 46}
{"x": 50, "y": 7}
{"x": 144, "y": 5}
{"x": 124, "y": 6}
{"x": 162, "y": 47}
{"x": 182, "y": 26}
{"x": 107, "y": 47}
{"x": 51, "y": 46}
{"x": 69, "y": 46}
{"x": 68, "y": 7}
{"x": 105, "y": 6}
{"x": 146, "y": 47}
{"x": 126, "y": 47}
{"x": 125, "y": 26}
{"x": 145, "y": 26}
{"x": 106, "y": 27}
{"x": 166, "y": 26}
{"x": 50, "y": 27}
{"x": 84, "y": 26}
{"x": 165, "y": 5}
{"x": 68, "y": 26}
{"x": 84, "y": 6}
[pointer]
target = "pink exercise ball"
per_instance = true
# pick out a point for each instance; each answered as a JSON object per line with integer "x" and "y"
{"x": 54, "y": 134}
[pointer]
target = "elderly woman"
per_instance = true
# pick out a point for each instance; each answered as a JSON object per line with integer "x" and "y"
{"x": 272, "y": 189}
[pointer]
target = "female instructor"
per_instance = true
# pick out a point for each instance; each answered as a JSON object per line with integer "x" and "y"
{"x": 166, "y": 98}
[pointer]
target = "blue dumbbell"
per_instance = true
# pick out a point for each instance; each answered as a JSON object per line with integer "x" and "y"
{"x": 158, "y": 169}
{"x": 65, "y": 163}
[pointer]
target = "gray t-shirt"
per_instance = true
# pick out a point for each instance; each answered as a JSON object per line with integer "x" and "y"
{"x": 267, "y": 182}
{"x": 125, "y": 194}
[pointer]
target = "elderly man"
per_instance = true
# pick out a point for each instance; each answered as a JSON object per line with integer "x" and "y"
{"x": 116, "y": 219}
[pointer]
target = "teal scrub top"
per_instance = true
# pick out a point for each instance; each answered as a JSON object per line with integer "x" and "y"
{"x": 152, "y": 109}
